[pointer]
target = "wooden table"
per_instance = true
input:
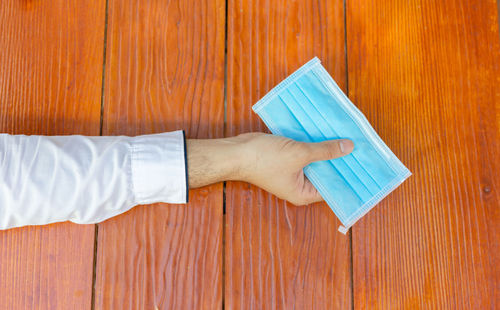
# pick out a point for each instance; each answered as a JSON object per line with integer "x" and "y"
{"x": 425, "y": 73}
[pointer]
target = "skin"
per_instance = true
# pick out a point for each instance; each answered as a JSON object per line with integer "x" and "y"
{"x": 271, "y": 162}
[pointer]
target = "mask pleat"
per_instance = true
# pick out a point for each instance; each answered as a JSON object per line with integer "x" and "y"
{"x": 343, "y": 197}
{"x": 328, "y": 132}
{"x": 332, "y": 110}
{"x": 314, "y": 135}
{"x": 288, "y": 125}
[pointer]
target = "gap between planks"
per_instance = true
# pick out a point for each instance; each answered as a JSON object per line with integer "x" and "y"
{"x": 96, "y": 233}
{"x": 224, "y": 130}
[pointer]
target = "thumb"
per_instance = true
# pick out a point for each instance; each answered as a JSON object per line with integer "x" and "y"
{"x": 329, "y": 149}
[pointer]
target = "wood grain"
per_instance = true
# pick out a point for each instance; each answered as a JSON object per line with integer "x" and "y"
{"x": 50, "y": 83}
{"x": 278, "y": 255}
{"x": 164, "y": 71}
{"x": 427, "y": 76}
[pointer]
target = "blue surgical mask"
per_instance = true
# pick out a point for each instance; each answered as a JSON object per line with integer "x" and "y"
{"x": 308, "y": 106}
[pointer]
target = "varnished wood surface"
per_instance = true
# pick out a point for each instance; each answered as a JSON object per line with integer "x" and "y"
{"x": 427, "y": 76}
{"x": 50, "y": 83}
{"x": 279, "y": 256}
{"x": 164, "y": 71}
{"x": 425, "y": 73}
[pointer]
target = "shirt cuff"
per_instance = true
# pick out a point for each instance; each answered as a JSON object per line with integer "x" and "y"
{"x": 159, "y": 168}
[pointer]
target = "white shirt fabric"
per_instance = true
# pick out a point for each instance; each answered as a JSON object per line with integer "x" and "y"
{"x": 47, "y": 179}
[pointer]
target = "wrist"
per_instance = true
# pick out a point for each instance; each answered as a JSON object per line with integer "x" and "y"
{"x": 213, "y": 160}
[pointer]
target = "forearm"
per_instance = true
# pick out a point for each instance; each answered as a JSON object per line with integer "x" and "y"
{"x": 213, "y": 160}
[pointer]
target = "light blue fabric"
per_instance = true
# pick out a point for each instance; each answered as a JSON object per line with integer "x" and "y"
{"x": 309, "y": 106}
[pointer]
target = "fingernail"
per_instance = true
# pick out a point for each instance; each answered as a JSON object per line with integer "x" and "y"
{"x": 341, "y": 145}
{"x": 346, "y": 146}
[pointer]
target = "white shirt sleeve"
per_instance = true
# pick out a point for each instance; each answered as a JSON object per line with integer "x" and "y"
{"x": 47, "y": 179}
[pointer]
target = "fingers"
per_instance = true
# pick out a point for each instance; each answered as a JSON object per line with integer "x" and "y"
{"x": 307, "y": 194}
{"x": 314, "y": 197}
{"x": 329, "y": 149}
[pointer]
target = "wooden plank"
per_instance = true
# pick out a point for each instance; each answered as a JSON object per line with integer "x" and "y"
{"x": 50, "y": 83}
{"x": 279, "y": 255}
{"x": 164, "y": 71}
{"x": 426, "y": 74}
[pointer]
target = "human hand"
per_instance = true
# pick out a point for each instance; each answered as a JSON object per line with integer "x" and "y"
{"x": 271, "y": 162}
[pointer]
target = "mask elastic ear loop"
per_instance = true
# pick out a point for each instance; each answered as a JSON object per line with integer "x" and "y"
{"x": 343, "y": 229}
